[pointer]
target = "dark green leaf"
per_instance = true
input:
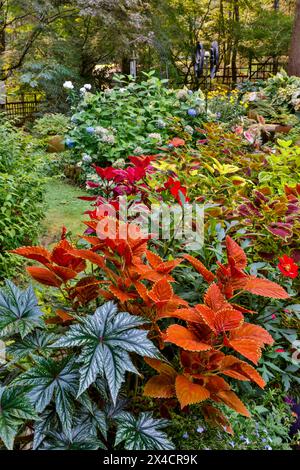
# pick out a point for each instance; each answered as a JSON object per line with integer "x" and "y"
{"x": 19, "y": 311}
{"x": 142, "y": 433}
{"x": 106, "y": 338}
{"x": 14, "y": 408}
{"x": 53, "y": 379}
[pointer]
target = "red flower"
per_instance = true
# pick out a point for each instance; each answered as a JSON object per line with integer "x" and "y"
{"x": 288, "y": 267}
{"x": 179, "y": 192}
{"x": 280, "y": 350}
{"x": 176, "y": 142}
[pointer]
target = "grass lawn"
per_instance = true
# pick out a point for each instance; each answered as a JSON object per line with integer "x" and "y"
{"x": 63, "y": 208}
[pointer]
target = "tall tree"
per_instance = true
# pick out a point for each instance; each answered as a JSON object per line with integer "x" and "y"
{"x": 294, "y": 60}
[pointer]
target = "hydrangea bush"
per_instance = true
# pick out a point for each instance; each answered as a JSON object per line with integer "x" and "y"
{"x": 131, "y": 119}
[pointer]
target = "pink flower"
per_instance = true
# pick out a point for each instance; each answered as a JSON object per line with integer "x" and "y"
{"x": 280, "y": 350}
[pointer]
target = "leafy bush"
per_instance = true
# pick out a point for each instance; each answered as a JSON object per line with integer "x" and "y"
{"x": 134, "y": 118}
{"x": 268, "y": 428}
{"x": 50, "y": 125}
{"x": 21, "y": 195}
{"x": 60, "y": 388}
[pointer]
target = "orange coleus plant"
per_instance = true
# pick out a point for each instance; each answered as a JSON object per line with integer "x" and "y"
{"x": 141, "y": 282}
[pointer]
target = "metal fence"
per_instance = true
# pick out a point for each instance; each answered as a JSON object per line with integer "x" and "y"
{"x": 252, "y": 72}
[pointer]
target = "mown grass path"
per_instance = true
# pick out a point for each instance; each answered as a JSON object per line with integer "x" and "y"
{"x": 63, "y": 208}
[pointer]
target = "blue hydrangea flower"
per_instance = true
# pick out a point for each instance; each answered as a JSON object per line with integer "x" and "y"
{"x": 190, "y": 92}
{"x": 90, "y": 130}
{"x": 268, "y": 447}
{"x": 70, "y": 143}
{"x": 192, "y": 112}
{"x": 185, "y": 435}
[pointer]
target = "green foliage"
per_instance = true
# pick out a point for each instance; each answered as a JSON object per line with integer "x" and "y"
{"x": 135, "y": 118}
{"x": 267, "y": 429}
{"x": 70, "y": 400}
{"x": 19, "y": 311}
{"x": 142, "y": 433}
{"x": 284, "y": 166}
{"x": 21, "y": 194}
{"x": 50, "y": 125}
{"x": 15, "y": 407}
{"x": 106, "y": 338}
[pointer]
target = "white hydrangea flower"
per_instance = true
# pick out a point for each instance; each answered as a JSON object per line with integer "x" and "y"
{"x": 79, "y": 164}
{"x": 155, "y": 136}
{"x": 138, "y": 151}
{"x": 86, "y": 158}
{"x": 68, "y": 85}
{"x": 87, "y": 86}
{"x": 82, "y": 90}
{"x": 182, "y": 95}
{"x": 101, "y": 130}
{"x": 120, "y": 163}
{"x": 108, "y": 139}
{"x": 189, "y": 130}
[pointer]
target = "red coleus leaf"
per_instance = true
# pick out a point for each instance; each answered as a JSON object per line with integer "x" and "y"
{"x": 184, "y": 338}
{"x": 240, "y": 370}
{"x": 232, "y": 401}
{"x": 281, "y": 230}
{"x": 221, "y": 321}
{"x": 177, "y": 142}
{"x": 262, "y": 287}
{"x": 188, "y": 392}
{"x": 205, "y": 273}
{"x": 44, "y": 276}
{"x": 36, "y": 253}
{"x": 162, "y": 385}
{"x": 235, "y": 252}
{"x": 248, "y": 341}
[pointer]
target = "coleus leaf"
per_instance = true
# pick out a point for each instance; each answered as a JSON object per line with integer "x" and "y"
{"x": 44, "y": 276}
{"x": 235, "y": 252}
{"x": 162, "y": 385}
{"x": 142, "y": 433}
{"x": 232, "y": 401}
{"x": 263, "y": 287}
{"x": 51, "y": 379}
{"x": 205, "y": 273}
{"x": 19, "y": 311}
{"x": 185, "y": 338}
{"x": 14, "y": 408}
{"x": 188, "y": 392}
{"x": 106, "y": 338}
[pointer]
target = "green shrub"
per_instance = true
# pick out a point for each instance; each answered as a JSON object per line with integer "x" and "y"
{"x": 133, "y": 119}
{"x": 21, "y": 194}
{"x": 51, "y": 124}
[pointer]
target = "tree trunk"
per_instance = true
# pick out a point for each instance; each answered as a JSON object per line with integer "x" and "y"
{"x": 236, "y": 17}
{"x": 276, "y": 5}
{"x": 294, "y": 61}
